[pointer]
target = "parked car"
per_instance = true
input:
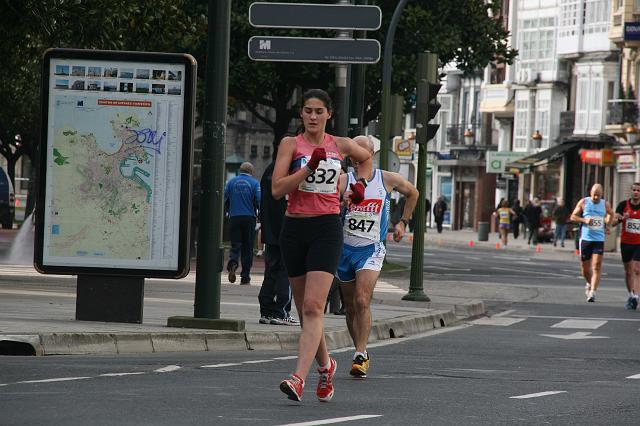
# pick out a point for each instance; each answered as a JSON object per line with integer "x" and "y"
{"x": 7, "y": 200}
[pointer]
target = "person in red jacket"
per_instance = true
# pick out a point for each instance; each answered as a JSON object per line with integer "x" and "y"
{"x": 308, "y": 168}
{"x": 628, "y": 213}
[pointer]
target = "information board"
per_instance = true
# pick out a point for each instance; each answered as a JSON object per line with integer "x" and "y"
{"x": 115, "y": 163}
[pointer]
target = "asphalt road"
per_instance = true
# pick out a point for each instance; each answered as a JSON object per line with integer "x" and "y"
{"x": 533, "y": 364}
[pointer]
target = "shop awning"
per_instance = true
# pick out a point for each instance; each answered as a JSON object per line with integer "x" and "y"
{"x": 550, "y": 154}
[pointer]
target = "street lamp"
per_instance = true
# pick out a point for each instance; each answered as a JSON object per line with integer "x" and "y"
{"x": 631, "y": 134}
{"x": 468, "y": 137}
{"x": 537, "y": 139}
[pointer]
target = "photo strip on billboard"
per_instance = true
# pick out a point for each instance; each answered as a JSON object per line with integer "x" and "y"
{"x": 115, "y": 164}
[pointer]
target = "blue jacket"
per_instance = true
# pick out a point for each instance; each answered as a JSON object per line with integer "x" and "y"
{"x": 242, "y": 195}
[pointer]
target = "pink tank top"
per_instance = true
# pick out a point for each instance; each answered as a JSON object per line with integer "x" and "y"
{"x": 318, "y": 194}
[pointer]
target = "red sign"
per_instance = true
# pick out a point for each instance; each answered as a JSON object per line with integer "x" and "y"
{"x": 599, "y": 157}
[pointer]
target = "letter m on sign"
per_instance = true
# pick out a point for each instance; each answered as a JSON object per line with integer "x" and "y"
{"x": 265, "y": 44}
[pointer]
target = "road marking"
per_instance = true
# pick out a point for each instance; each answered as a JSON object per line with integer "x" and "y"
{"x": 229, "y": 364}
{"x": 499, "y": 321}
{"x": 334, "y": 420}
{"x": 635, "y": 376}
{"x": 168, "y": 369}
{"x": 578, "y": 335}
{"x": 448, "y": 268}
{"x": 505, "y": 313}
{"x": 60, "y": 379}
{"x": 582, "y": 318}
{"x": 526, "y": 271}
{"x": 385, "y": 287}
{"x": 536, "y": 395}
{"x": 122, "y": 374}
{"x": 287, "y": 357}
{"x": 257, "y": 361}
{"x": 472, "y": 257}
{"x": 579, "y": 323}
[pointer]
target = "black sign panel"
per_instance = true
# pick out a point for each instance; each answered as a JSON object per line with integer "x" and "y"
{"x": 317, "y": 16}
{"x": 300, "y": 49}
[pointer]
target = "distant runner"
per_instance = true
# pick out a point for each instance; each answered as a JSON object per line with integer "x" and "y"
{"x": 628, "y": 213}
{"x": 596, "y": 215}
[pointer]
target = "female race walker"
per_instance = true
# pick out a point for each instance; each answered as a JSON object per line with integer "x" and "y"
{"x": 308, "y": 169}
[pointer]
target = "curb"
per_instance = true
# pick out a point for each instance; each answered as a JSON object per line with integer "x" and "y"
{"x": 198, "y": 341}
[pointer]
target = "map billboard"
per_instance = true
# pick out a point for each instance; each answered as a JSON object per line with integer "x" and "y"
{"x": 115, "y": 166}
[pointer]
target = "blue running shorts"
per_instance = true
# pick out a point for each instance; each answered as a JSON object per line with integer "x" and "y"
{"x": 354, "y": 259}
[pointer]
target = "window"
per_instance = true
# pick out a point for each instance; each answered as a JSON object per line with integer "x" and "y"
{"x": 266, "y": 151}
{"x": 254, "y": 151}
{"x": 596, "y": 16}
{"x": 444, "y": 119}
{"x": 522, "y": 112}
{"x": 542, "y": 120}
{"x": 590, "y": 101}
{"x": 537, "y": 43}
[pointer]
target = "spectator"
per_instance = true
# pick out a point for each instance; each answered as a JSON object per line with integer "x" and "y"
{"x": 439, "y": 208}
{"x": 518, "y": 219}
{"x": 560, "y": 215}
{"x": 241, "y": 199}
{"x": 533, "y": 215}
{"x": 275, "y": 292}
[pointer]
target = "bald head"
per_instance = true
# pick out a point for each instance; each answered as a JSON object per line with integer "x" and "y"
{"x": 596, "y": 192}
{"x": 365, "y": 142}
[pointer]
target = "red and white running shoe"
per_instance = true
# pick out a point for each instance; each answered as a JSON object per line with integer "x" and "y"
{"x": 325, "y": 382}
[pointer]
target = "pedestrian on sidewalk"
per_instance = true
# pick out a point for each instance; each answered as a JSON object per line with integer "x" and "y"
{"x": 628, "y": 213}
{"x": 439, "y": 208}
{"x": 308, "y": 169}
{"x": 533, "y": 213}
{"x": 518, "y": 219}
{"x": 560, "y": 215}
{"x": 241, "y": 200}
{"x": 505, "y": 214}
{"x": 365, "y": 229}
{"x": 596, "y": 215}
{"x": 275, "y": 292}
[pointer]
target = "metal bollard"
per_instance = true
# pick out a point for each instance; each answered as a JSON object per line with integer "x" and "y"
{"x": 483, "y": 231}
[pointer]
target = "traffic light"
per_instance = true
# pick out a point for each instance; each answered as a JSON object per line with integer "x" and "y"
{"x": 427, "y": 103}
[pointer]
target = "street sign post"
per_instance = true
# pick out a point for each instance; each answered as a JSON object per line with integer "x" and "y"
{"x": 315, "y": 16}
{"x": 303, "y": 49}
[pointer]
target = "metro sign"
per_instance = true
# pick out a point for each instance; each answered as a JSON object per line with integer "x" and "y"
{"x": 301, "y": 49}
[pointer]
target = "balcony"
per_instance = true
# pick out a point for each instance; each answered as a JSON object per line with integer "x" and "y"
{"x": 620, "y": 114}
{"x": 463, "y": 137}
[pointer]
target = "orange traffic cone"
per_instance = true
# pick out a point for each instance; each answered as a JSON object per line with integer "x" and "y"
{"x": 577, "y": 252}
{"x": 471, "y": 244}
{"x": 410, "y": 237}
{"x": 538, "y": 248}
{"x": 498, "y": 246}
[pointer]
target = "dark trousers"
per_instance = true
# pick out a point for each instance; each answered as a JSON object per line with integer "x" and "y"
{"x": 242, "y": 232}
{"x": 275, "y": 293}
{"x": 439, "y": 225}
{"x": 533, "y": 234}
{"x": 516, "y": 228}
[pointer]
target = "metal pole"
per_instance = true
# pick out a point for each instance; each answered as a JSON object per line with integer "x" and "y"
{"x": 427, "y": 69}
{"x": 210, "y": 250}
{"x": 386, "y": 85}
{"x": 356, "y": 99}
{"x": 341, "y": 119}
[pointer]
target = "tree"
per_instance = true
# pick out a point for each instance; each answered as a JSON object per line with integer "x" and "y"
{"x": 459, "y": 31}
{"x": 31, "y": 26}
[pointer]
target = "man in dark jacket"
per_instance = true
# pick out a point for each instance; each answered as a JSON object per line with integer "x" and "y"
{"x": 275, "y": 293}
{"x": 439, "y": 208}
{"x": 533, "y": 213}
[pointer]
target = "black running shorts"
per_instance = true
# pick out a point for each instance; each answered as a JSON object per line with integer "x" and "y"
{"x": 311, "y": 244}
{"x": 630, "y": 252}
{"x": 589, "y": 248}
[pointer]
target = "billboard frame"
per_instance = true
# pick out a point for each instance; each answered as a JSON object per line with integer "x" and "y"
{"x": 190, "y": 77}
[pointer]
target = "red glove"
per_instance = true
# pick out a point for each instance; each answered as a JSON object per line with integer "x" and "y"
{"x": 357, "y": 192}
{"x": 317, "y": 156}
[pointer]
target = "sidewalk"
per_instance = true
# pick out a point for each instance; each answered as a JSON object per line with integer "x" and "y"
{"x": 37, "y": 316}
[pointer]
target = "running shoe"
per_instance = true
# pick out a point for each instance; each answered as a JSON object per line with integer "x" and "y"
{"x": 324, "y": 391}
{"x": 265, "y": 320}
{"x": 632, "y": 303}
{"x": 587, "y": 289}
{"x": 591, "y": 297}
{"x": 359, "y": 367}
{"x": 285, "y": 321}
{"x": 293, "y": 387}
